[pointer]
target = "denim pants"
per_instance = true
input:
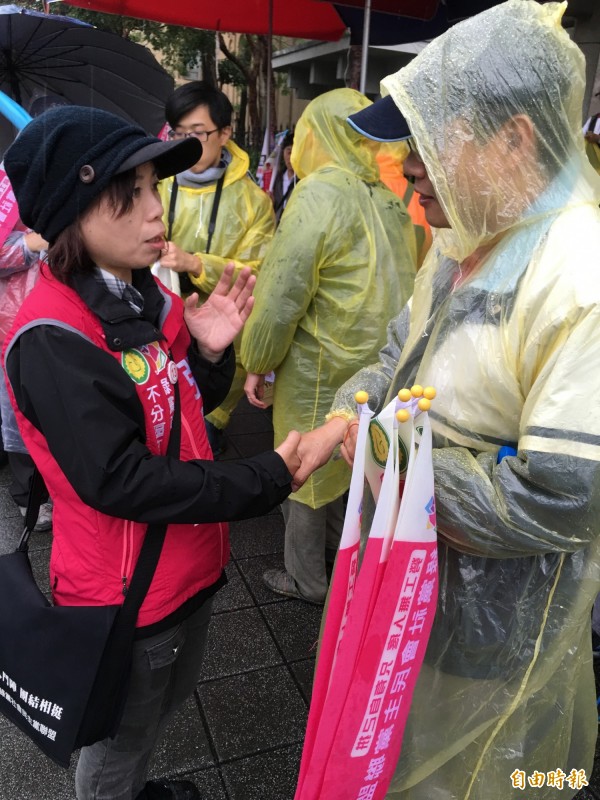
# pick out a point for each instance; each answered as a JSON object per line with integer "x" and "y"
{"x": 310, "y": 535}
{"x": 165, "y": 671}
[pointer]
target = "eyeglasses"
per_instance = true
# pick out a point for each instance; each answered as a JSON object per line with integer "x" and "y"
{"x": 202, "y": 136}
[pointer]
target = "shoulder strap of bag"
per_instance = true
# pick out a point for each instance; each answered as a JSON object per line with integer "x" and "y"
{"x": 215, "y": 210}
{"x": 34, "y": 501}
{"x": 185, "y": 284}
{"x": 285, "y": 197}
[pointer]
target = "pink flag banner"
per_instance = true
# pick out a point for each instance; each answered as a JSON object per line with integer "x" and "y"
{"x": 340, "y": 596}
{"x": 379, "y": 616}
{"x": 164, "y": 132}
{"x": 9, "y": 211}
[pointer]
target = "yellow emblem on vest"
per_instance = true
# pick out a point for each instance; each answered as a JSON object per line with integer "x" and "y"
{"x": 135, "y": 365}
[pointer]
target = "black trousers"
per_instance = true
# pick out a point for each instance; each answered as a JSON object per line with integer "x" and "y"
{"x": 21, "y": 469}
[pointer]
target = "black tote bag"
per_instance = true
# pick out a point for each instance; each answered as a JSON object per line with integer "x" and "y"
{"x": 64, "y": 669}
{"x": 49, "y": 657}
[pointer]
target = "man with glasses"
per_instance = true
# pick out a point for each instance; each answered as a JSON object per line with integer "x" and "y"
{"x": 214, "y": 212}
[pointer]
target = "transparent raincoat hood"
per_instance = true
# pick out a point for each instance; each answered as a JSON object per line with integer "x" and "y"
{"x": 458, "y": 96}
{"x": 510, "y": 338}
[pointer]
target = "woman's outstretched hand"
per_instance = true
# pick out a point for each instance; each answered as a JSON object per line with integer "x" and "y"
{"x": 288, "y": 450}
{"x": 316, "y": 448}
{"x": 215, "y": 324}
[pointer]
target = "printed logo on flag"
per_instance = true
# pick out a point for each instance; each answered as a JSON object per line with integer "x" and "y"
{"x": 380, "y": 443}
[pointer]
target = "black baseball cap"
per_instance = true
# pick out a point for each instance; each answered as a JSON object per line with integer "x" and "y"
{"x": 382, "y": 121}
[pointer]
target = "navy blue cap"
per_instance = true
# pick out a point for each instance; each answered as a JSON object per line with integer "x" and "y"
{"x": 381, "y": 121}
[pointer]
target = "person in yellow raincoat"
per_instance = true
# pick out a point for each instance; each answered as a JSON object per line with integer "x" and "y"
{"x": 505, "y": 323}
{"x": 341, "y": 264}
{"x": 216, "y": 194}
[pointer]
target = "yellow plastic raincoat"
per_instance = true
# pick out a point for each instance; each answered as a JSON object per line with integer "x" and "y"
{"x": 245, "y": 226}
{"x": 342, "y": 263}
{"x": 245, "y": 222}
{"x": 505, "y": 706}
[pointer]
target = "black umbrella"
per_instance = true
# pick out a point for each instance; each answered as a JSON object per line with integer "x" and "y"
{"x": 49, "y": 54}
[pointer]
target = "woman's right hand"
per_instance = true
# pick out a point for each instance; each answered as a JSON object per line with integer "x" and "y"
{"x": 317, "y": 446}
{"x": 288, "y": 450}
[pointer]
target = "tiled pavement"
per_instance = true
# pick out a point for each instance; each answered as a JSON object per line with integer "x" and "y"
{"x": 240, "y": 736}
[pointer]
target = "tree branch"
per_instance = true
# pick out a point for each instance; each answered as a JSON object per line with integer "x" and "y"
{"x": 233, "y": 58}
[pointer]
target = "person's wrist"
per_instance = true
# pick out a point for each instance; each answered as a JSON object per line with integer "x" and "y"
{"x": 351, "y": 425}
{"x": 334, "y": 430}
{"x": 213, "y": 356}
{"x": 194, "y": 264}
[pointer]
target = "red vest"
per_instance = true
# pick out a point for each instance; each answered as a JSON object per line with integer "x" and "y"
{"x": 93, "y": 554}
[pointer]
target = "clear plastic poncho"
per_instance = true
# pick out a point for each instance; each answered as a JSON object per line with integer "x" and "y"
{"x": 341, "y": 264}
{"x": 505, "y": 323}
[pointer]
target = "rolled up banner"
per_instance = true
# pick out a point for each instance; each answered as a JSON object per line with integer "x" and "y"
{"x": 379, "y": 618}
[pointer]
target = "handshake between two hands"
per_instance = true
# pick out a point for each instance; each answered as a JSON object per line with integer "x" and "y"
{"x": 305, "y": 453}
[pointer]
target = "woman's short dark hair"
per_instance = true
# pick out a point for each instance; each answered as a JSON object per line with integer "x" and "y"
{"x": 199, "y": 93}
{"x": 67, "y": 254}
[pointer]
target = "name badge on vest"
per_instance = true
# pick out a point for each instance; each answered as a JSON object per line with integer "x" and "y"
{"x": 173, "y": 374}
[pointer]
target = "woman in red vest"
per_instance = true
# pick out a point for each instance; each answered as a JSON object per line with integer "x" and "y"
{"x": 94, "y": 361}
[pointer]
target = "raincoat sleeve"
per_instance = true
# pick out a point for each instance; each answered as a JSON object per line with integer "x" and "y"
{"x": 249, "y": 251}
{"x": 19, "y": 270}
{"x": 546, "y": 498}
{"x": 287, "y": 283}
{"x": 376, "y": 378}
{"x": 15, "y": 256}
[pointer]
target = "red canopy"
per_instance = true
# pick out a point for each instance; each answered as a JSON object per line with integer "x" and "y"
{"x": 416, "y": 9}
{"x": 306, "y": 19}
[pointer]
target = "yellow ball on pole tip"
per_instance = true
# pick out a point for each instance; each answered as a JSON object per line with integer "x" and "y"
{"x": 404, "y": 395}
{"x": 402, "y": 415}
{"x": 424, "y": 404}
{"x": 429, "y": 392}
{"x": 417, "y": 390}
{"x": 361, "y": 397}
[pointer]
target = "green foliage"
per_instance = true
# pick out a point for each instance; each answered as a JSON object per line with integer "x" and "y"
{"x": 230, "y": 73}
{"x": 181, "y": 48}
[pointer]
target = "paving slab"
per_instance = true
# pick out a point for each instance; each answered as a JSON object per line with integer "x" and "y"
{"x": 254, "y": 712}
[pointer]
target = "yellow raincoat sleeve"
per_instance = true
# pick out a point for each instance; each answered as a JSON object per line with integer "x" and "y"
{"x": 542, "y": 500}
{"x": 288, "y": 280}
{"x": 545, "y": 499}
{"x": 375, "y": 379}
{"x": 249, "y": 250}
